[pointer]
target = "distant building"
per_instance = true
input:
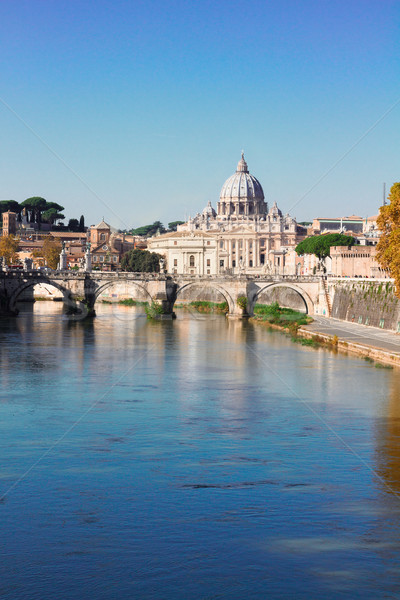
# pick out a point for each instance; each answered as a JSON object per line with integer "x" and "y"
{"x": 356, "y": 261}
{"x": 346, "y": 225}
{"x": 9, "y": 223}
{"x": 187, "y": 253}
{"x": 107, "y": 247}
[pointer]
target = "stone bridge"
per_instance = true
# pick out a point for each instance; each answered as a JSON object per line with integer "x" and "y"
{"x": 81, "y": 290}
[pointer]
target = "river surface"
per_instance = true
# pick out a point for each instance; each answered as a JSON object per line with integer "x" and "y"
{"x": 194, "y": 459}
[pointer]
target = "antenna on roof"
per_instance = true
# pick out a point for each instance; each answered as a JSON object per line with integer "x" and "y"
{"x": 384, "y": 194}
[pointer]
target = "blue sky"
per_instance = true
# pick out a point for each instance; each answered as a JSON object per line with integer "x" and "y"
{"x": 138, "y": 110}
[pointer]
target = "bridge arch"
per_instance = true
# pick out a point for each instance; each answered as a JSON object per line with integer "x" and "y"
{"x": 308, "y": 303}
{"x": 209, "y": 286}
{"x": 38, "y": 280}
{"x": 112, "y": 282}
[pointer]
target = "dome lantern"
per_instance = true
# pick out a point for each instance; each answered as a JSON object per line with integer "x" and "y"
{"x": 242, "y": 165}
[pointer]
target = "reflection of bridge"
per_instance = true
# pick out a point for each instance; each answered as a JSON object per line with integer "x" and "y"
{"x": 81, "y": 290}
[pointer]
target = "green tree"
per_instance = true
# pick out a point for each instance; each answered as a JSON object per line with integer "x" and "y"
{"x": 174, "y": 225}
{"x": 73, "y": 225}
{"x": 149, "y": 230}
{"x": 52, "y": 215}
{"x": 36, "y": 206}
{"x": 54, "y": 205}
{"x": 320, "y": 245}
{"x": 12, "y": 205}
{"x": 82, "y": 224}
{"x": 388, "y": 248}
{"x": 141, "y": 261}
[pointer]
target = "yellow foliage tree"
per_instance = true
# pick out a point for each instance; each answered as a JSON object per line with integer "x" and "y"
{"x": 388, "y": 248}
{"x": 9, "y": 248}
{"x": 49, "y": 255}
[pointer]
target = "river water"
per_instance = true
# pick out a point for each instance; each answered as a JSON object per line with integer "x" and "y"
{"x": 194, "y": 459}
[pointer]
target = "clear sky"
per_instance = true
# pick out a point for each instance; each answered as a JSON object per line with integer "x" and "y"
{"x": 138, "y": 110}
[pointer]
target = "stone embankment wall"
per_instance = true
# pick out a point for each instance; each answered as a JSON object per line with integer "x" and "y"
{"x": 366, "y": 302}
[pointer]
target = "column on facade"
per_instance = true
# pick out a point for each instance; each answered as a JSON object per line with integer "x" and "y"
{"x": 256, "y": 258}
{"x": 247, "y": 252}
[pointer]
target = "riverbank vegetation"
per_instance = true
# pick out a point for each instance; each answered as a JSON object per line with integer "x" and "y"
{"x": 286, "y": 318}
{"x": 125, "y": 302}
{"x": 205, "y": 307}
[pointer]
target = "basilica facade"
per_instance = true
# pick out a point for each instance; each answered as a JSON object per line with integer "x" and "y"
{"x": 242, "y": 235}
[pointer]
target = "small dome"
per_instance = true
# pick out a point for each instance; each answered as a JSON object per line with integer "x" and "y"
{"x": 241, "y": 185}
{"x": 275, "y": 211}
{"x": 209, "y": 211}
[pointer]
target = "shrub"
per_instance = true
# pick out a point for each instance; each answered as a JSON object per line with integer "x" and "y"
{"x": 242, "y": 302}
{"x": 153, "y": 310}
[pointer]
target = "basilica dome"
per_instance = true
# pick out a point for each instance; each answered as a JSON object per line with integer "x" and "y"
{"x": 241, "y": 185}
{"x": 241, "y": 195}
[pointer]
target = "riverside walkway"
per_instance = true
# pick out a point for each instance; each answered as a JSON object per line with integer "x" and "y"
{"x": 357, "y": 334}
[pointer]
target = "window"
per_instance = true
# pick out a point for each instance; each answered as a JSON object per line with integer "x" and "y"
{"x": 251, "y": 245}
{"x": 262, "y": 258}
{"x": 262, "y": 242}
{"x": 175, "y": 262}
{"x": 101, "y": 258}
{"x": 234, "y": 263}
{"x": 250, "y": 263}
{"x": 221, "y": 263}
{"x": 221, "y": 244}
{"x": 233, "y": 245}
{"x": 191, "y": 260}
{"x": 175, "y": 243}
{"x": 115, "y": 259}
{"x": 240, "y": 244}
{"x": 208, "y": 262}
{"x": 94, "y": 258}
{"x": 208, "y": 243}
{"x": 208, "y": 271}
{"x": 102, "y": 237}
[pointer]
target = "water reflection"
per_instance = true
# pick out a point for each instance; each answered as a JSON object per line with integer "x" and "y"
{"x": 203, "y": 458}
{"x": 388, "y": 438}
